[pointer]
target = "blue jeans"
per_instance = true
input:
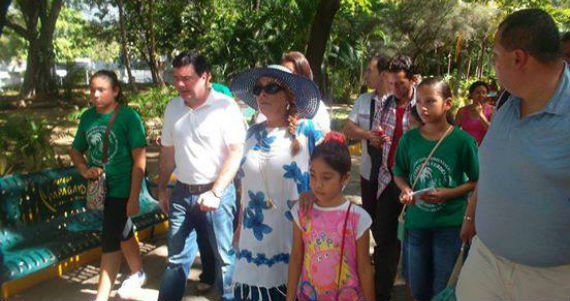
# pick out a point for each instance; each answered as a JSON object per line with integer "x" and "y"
{"x": 430, "y": 256}
{"x": 187, "y": 222}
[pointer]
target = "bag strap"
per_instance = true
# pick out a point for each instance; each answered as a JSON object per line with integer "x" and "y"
{"x": 372, "y": 110}
{"x": 447, "y": 132}
{"x": 456, "y": 268}
{"x": 108, "y": 132}
{"x": 374, "y": 153}
{"x": 342, "y": 245}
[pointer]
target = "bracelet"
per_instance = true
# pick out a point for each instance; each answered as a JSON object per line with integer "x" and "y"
{"x": 468, "y": 218}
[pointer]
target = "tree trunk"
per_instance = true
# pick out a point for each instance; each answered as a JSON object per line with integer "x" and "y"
{"x": 125, "y": 50}
{"x": 458, "y": 56}
{"x": 449, "y": 63}
{"x": 469, "y": 68}
{"x": 153, "y": 63}
{"x": 4, "y": 5}
{"x": 39, "y": 79}
{"x": 480, "y": 58}
{"x": 438, "y": 63}
{"x": 257, "y": 5}
{"x": 320, "y": 33}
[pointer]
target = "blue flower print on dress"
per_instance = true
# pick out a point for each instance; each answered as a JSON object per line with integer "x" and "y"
{"x": 261, "y": 258}
{"x": 288, "y": 213}
{"x": 253, "y": 215}
{"x": 263, "y": 140}
{"x": 292, "y": 171}
{"x": 307, "y": 128}
{"x": 254, "y": 129}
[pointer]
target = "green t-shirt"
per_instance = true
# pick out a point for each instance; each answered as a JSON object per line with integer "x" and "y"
{"x": 222, "y": 89}
{"x": 127, "y": 133}
{"x": 453, "y": 164}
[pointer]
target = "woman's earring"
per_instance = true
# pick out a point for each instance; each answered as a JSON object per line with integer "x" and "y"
{"x": 343, "y": 187}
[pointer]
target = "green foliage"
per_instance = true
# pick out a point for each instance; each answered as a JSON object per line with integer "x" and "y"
{"x": 12, "y": 46}
{"x": 151, "y": 103}
{"x": 428, "y": 30}
{"x": 5, "y": 167}
{"x": 75, "y": 37}
{"x": 346, "y": 55}
{"x": 28, "y": 143}
{"x": 339, "y": 116}
{"x": 75, "y": 77}
{"x": 76, "y": 115}
{"x": 234, "y": 35}
{"x": 5, "y": 164}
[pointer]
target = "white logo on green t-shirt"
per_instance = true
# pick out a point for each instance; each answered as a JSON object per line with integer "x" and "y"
{"x": 95, "y": 137}
{"x": 435, "y": 174}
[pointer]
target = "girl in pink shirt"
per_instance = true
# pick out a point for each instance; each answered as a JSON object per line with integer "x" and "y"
{"x": 476, "y": 117}
{"x": 329, "y": 259}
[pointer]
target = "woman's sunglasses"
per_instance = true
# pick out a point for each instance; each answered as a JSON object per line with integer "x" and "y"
{"x": 271, "y": 89}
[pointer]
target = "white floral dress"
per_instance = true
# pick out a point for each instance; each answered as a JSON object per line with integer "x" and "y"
{"x": 272, "y": 179}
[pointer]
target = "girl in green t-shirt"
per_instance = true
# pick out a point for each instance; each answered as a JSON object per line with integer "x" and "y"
{"x": 434, "y": 218}
{"x": 124, "y": 170}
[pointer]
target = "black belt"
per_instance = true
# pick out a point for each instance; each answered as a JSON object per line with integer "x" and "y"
{"x": 196, "y": 189}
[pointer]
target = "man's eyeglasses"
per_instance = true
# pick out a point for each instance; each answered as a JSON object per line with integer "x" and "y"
{"x": 184, "y": 78}
{"x": 271, "y": 89}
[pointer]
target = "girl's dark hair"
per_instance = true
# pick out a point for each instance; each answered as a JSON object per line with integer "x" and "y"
{"x": 477, "y": 84}
{"x": 334, "y": 151}
{"x": 115, "y": 83}
{"x": 414, "y": 112}
{"x": 302, "y": 66}
{"x": 442, "y": 87}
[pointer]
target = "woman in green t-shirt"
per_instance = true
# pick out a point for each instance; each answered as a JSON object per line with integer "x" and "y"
{"x": 434, "y": 218}
{"x": 124, "y": 170}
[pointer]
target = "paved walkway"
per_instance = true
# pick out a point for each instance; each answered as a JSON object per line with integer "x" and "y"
{"x": 81, "y": 284}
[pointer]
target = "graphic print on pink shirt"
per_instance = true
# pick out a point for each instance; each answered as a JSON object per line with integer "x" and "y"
{"x": 322, "y": 238}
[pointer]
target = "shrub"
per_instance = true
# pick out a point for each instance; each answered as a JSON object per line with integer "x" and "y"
{"x": 75, "y": 77}
{"x": 151, "y": 103}
{"x": 27, "y": 144}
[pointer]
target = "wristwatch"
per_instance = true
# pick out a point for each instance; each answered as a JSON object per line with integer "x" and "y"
{"x": 218, "y": 192}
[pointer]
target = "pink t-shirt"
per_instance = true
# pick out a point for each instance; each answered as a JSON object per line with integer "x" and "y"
{"x": 322, "y": 239}
{"x": 474, "y": 126}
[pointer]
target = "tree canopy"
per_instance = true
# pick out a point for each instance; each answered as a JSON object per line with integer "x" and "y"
{"x": 443, "y": 36}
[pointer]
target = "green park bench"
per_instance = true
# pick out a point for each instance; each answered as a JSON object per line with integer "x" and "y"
{"x": 44, "y": 223}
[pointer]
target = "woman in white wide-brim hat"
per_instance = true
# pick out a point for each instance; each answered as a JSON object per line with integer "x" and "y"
{"x": 275, "y": 170}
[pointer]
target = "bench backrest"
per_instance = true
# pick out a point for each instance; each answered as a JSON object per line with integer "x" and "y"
{"x": 41, "y": 196}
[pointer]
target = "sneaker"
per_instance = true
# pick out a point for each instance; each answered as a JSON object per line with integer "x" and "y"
{"x": 135, "y": 281}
